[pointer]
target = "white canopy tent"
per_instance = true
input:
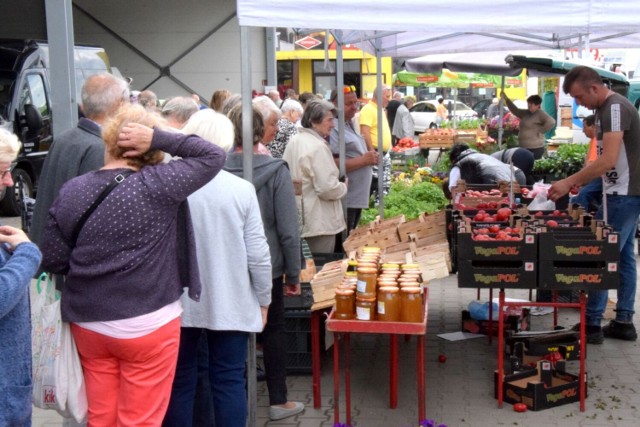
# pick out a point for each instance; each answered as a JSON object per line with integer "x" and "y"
{"x": 413, "y": 28}
{"x": 419, "y": 27}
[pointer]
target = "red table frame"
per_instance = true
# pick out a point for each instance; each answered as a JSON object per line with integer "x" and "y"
{"x": 583, "y": 346}
{"x": 393, "y": 329}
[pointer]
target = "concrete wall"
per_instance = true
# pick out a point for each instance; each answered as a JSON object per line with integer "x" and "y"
{"x": 162, "y": 30}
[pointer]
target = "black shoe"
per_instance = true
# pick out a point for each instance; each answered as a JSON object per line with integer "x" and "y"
{"x": 619, "y": 330}
{"x": 593, "y": 334}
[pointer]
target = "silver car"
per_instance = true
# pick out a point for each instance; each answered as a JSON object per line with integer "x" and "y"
{"x": 424, "y": 113}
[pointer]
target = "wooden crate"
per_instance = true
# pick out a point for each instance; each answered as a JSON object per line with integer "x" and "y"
{"x": 433, "y": 138}
{"x": 425, "y": 225}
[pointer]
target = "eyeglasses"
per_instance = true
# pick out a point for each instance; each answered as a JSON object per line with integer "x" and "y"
{"x": 3, "y": 174}
{"x": 349, "y": 89}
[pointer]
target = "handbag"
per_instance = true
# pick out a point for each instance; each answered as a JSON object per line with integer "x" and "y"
{"x": 58, "y": 382}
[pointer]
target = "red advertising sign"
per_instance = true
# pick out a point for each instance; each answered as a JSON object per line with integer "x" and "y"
{"x": 308, "y": 42}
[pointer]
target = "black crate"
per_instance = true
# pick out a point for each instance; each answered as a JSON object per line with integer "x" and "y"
{"x": 304, "y": 301}
{"x": 297, "y": 326}
{"x": 321, "y": 259}
{"x": 497, "y": 274}
{"x": 577, "y": 275}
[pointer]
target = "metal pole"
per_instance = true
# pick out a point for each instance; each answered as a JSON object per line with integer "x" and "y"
{"x": 340, "y": 90}
{"x": 247, "y": 165}
{"x": 501, "y": 113}
{"x": 380, "y": 118}
{"x": 272, "y": 63}
{"x": 64, "y": 104}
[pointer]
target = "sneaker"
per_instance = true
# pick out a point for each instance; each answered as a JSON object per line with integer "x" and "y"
{"x": 619, "y": 330}
{"x": 278, "y": 412}
{"x": 593, "y": 334}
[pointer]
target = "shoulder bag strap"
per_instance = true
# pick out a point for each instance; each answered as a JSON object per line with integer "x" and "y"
{"x": 113, "y": 184}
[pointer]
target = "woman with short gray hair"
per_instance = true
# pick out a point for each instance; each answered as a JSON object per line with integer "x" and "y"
{"x": 311, "y": 162}
{"x": 291, "y": 113}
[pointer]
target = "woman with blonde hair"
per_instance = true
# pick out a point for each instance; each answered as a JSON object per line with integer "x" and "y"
{"x": 128, "y": 263}
{"x": 19, "y": 260}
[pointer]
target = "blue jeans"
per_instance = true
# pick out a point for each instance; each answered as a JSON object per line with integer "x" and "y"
{"x": 227, "y": 357}
{"x": 623, "y": 214}
{"x": 590, "y": 194}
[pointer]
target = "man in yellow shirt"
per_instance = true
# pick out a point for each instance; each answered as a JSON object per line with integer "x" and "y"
{"x": 369, "y": 121}
{"x": 369, "y": 131}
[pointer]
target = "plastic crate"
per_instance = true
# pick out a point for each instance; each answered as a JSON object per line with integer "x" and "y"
{"x": 297, "y": 326}
{"x": 304, "y": 301}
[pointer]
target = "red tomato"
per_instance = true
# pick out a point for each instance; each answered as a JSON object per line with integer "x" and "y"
{"x": 539, "y": 213}
{"x": 479, "y": 217}
{"x": 494, "y": 229}
{"x": 503, "y": 214}
{"x": 520, "y": 407}
{"x": 442, "y": 358}
{"x": 552, "y": 223}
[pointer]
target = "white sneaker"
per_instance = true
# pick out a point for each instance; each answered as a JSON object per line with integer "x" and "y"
{"x": 277, "y": 412}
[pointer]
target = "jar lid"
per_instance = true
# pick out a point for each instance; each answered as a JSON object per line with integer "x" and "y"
{"x": 352, "y": 262}
{"x": 365, "y": 299}
{"x": 391, "y": 265}
{"x": 371, "y": 249}
{"x": 389, "y": 289}
{"x": 367, "y": 270}
{"x": 405, "y": 266}
{"x": 343, "y": 291}
{"x": 411, "y": 289}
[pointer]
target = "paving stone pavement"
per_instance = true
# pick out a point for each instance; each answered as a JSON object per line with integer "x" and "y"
{"x": 460, "y": 391}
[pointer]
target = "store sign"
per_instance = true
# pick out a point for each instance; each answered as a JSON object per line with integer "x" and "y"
{"x": 308, "y": 42}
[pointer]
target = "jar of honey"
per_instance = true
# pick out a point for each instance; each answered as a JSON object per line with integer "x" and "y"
{"x": 389, "y": 304}
{"x": 352, "y": 266}
{"x": 411, "y": 304}
{"x": 367, "y": 278}
{"x": 345, "y": 304}
{"x": 365, "y": 308}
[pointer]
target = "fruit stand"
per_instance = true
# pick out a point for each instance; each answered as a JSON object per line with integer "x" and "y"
{"x": 527, "y": 249}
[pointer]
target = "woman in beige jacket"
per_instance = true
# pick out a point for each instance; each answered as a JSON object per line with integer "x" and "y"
{"x": 311, "y": 162}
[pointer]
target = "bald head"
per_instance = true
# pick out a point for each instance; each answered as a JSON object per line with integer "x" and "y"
{"x": 102, "y": 94}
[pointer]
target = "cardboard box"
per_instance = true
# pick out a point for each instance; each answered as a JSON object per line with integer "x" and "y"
{"x": 578, "y": 275}
{"x": 497, "y": 274}
{"x": 546, "y": 388}
{"x": 496, "y": 250}
{"x": 516, "y": 320}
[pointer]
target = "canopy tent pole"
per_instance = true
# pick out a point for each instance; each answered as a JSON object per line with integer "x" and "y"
{"x": 380, "y": 139}
{"x": 341, "y": 123}
{"x": 247, "y": 165}
{"x": 501, "y": 112}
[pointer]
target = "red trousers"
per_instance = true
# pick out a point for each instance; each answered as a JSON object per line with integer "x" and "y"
{"x": 128, "y": 381}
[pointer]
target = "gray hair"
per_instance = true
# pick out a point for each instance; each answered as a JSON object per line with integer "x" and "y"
{"x": 180, "y": 108}
{"x": 102, "y": 94}
{"x": 380, "y": 90}
{"x": 214, "y": 127}
{"x": 266, "y": 107}
{"x": 290, "y": 104}
{"x": 9, "y": 146}
{"x": 230, "y": 103}
{"x": 316, "y": 111}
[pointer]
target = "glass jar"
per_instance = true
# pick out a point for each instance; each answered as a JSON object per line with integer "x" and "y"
{"x": 367, "y": 278}
{"x": 389, "y": 304}
{"x": 365, "y": 308}
{"x": 352, "y": 266}
{"x": 411, "y": 304}
{"x": 345, "y": 304}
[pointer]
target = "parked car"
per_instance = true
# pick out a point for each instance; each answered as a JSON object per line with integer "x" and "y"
{"x": 25, "y": 107}
{"x": 424, "y": 113}
{"x": 481, "y": 106}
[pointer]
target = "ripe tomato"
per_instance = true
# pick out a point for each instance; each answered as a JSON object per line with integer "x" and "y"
{"x": 539, "y": 213}
{"x": 494, "y": 229}
{"x": 552, "y": 223}
{"x": 442, "y": 358}
{"x": 479, "y": 217}
{"x": 520, "y": 407}
{"x": 503, "y": 214}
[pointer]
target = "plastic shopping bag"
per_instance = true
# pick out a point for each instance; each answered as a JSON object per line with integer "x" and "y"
{"x": 540, "y": 200}
{"x": 57, "y": 374}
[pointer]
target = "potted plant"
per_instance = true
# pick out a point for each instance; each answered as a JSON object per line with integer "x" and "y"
{"x": 567, "y": 160}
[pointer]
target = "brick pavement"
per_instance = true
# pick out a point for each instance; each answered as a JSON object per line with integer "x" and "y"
{"x": 460, "y": 391}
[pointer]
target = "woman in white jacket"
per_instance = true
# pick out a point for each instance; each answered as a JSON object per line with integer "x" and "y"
{"x": 311, "y": 162}
{"x": 235, "y": 270}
